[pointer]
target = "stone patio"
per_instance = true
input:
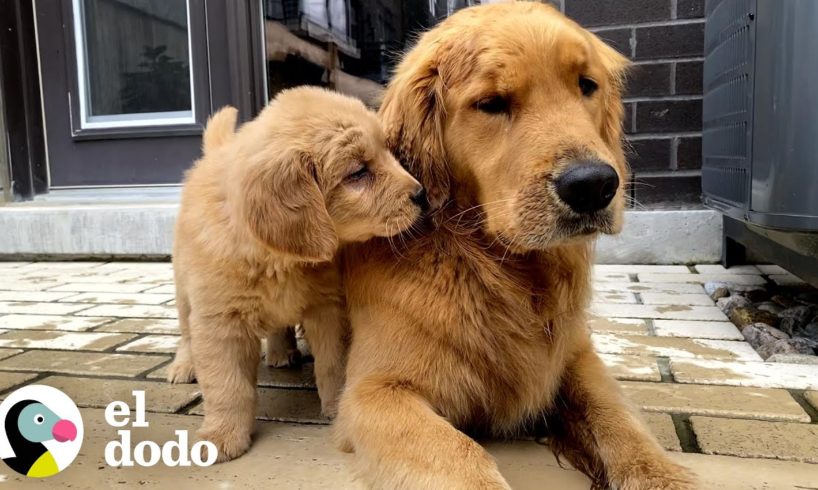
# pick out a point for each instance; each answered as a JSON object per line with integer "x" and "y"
{"x": 99, "y": 330}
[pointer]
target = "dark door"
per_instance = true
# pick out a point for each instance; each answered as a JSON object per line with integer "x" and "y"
{"x": 128, "y": 84}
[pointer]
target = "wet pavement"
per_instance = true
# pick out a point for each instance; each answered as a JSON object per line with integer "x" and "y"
{"x": 98, "y": 331}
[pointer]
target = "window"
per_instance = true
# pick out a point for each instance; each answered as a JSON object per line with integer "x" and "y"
{"x": 133, "y": 63}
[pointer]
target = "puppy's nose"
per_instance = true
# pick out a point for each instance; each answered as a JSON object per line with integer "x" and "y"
{"x": 420, "y": 199}
{"x": 587, "y": 186}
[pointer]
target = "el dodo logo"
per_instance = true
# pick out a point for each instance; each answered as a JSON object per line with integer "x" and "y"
{"x": 42, "y": 431}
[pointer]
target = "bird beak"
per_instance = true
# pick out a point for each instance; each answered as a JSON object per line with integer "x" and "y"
{"x": 64, "y": 430}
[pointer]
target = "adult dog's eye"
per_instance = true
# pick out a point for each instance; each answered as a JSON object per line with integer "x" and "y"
{"x": 359, "y": 174}
{"x": 587, "y": 86}
{"x": 493, "y": 105}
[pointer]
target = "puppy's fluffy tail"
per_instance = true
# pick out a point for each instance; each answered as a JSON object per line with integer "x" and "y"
{"x": 220, "y": 128}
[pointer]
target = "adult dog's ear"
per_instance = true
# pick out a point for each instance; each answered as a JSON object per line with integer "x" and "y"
{"x": 283, "y": 207}
{"x": 617, "y": 67}
{"x": 412, "y": 114}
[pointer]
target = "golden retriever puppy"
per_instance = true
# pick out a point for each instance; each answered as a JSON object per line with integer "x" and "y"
{"x": 510, "y": 115}
{"x": 262, "y": 216}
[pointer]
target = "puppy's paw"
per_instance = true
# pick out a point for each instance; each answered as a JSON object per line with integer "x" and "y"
{"x": 329, "y": 408}
{"x": 663, "y": 475}
{"x": 290, "y": 357}
{"x": 181, "y": 371}
{"x": 229, "y": 444}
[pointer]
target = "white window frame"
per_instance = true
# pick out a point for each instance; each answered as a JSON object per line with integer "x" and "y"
{"x": 133, "y": 120}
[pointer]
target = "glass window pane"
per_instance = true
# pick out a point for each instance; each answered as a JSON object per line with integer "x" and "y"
{"x": 135, "y": 65}
{"x": 349, "y": 45}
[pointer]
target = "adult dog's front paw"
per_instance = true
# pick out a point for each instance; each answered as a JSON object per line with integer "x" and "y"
{"x": 230, "y": 444}
{"x": 656, "y": 475}
{"x": 282, "y": 359}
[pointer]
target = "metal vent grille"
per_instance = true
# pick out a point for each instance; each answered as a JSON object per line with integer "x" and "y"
{"x": 727, "y": 106}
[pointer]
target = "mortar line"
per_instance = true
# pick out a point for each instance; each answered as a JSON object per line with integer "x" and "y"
{"x": 799, "y": 397}
{"x": 664, "y": 369}
{"x": 663, "y": 98}
{"x": 685, "y": 433}
{"x": 655, "y": 23}
{"x": 673, "y": 78}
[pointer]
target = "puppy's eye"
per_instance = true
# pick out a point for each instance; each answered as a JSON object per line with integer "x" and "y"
{"x": 494, "y": 105}
{"x": 587, "y": 86}
{"x": 359, "y": 174}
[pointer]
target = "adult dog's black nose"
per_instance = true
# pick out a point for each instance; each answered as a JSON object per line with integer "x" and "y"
{"x": 420, "y": 199}
{"x": 587, "y": 186}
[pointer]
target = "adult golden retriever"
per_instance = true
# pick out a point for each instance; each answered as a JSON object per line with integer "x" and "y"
{"x": 510, "y": 116}
{"x": 262, "y": 216}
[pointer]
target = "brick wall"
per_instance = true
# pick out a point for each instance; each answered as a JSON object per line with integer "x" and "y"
{"x": 664, "y": 38}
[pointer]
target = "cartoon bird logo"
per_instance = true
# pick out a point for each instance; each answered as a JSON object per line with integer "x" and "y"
{"x": 28, "y": 424}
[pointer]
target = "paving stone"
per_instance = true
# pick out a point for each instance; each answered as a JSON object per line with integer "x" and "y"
{"x": 50, "y": 322}
{"x": 163, "y": 289}
{"x": 121, "y": 298}
{"x": 642, "y": 345}
{"x": 42, "y": 339}
{"x": 611, "y": 276}
{"x": 131, "y": 311}
{"x": 280, "y": 405}
{"x": 9, "y": 380}
{"x": 635, "y": 326}
{"x": 757, "y": 439}
{"x": 98, "y": 393}
{"x": 653, "y": 287}
{"x": 25, "y": 285}
{"x": 793, "y": 359}
{"x": 637, "y": 268}
{"x": 4, "y": 353}
{"x": 142, "y": 325}
{"x": 786, "y": 280}
{"x": 92, "y": 278}
{"x": 772, "y": 269}
{"x": 616, "y": 297}
{"x": 38, "y": 296}
{"x": 754, "y": 374}
{"x": 720, "y": 269}
{"x": 299, "y": 376}
{"x": 164, "y": 344}
{"x": 12, "y": 265}
{"x": 651, "y": 298}
{"x": 665, "y": 312}
{"x": 93, "y": 363}
{"x": 697, "y": 329}
{"x": 137, "y": 266}
{"x": 88, "y": 287}
{"x": 159, "y": 374}
{"x": 286, "y": 456}
{"x": 662, "y": 427}
{"x": 304, "y": 457}
{"x": 34, "y": 308}
{"x": 742, "y": 279}
{"x": 62, "y": 266}
{"x": 633, "y": 368}
{"x": 812, "y": 398}
{"x": 716, "y": 401}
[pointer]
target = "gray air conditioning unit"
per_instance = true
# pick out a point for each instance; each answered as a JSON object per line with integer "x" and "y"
{"x": 760, "y": 141}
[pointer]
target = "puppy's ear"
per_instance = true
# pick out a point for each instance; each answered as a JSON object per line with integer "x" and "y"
{"x": 413, "y": 114}
{"x": 221, "y": 128}
{"x": 284, "y": 208}
{"x": 617, "y": 67}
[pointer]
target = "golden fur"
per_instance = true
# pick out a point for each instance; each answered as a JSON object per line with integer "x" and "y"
{"x": 262, "y": 216}
{"x": 478, "y": 326}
